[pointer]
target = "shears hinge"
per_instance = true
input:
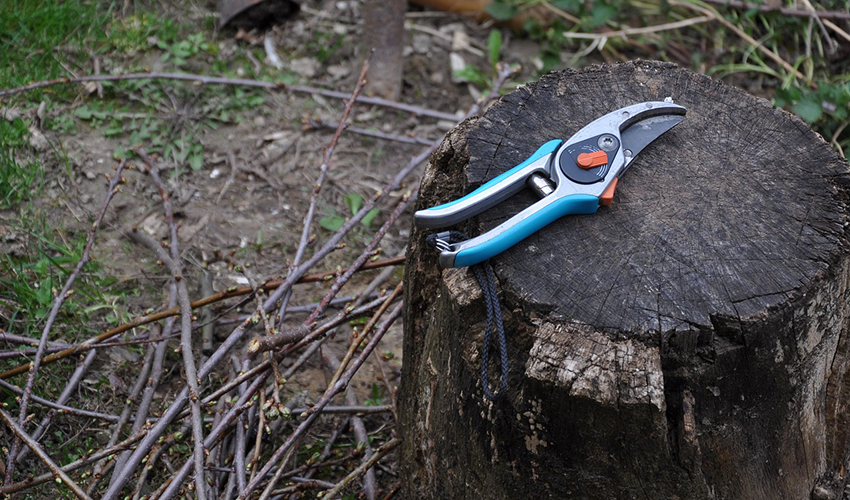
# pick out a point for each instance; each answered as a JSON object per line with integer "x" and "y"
{"x": 443, "y": 241}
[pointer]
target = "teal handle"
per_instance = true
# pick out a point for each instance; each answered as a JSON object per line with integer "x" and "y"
{"x": 569, "y": 205}
{"x": 542, "y": 151}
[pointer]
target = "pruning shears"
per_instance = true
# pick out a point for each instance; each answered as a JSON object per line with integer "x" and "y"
{"x": 572, "y": 177}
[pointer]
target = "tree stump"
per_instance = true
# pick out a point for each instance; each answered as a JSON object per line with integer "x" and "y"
{"x": 688, "y": 342}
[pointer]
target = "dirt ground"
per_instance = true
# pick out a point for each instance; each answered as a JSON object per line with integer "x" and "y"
{"x": 245, "y": 206}
{"x": 226, "y": 213}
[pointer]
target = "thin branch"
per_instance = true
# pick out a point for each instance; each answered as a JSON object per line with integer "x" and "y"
{"x": 174, "y": 311}
{"x": 60, "y": 407}
{"x": 365, "y": 466}
{"x": 267, "y": 343}
{"x": 342, "y": 317}
{"x": 314, "y": 412}
{"x": 642, "y": 30}
{"x": 244, "y": 401}
{"x": 367, "y": 329}
{"x": 70, "y": 467}
{"x": 192, "y": 380}
{"x": 323, "y": 168}
{"x": 783, "y": 10}
{"x": 151, "y": 378}
{"x": 243, "y": 82}
{"x": 18, "y": 339}
{"x": 239, "y": 442}
{"x": 360, "y": 435}
{"x": 64, "y": 396}
{"x": 39, "y": 452}
{"x": 323, "y": 172}
{"x": 373, "y": 133}
{"x": 54, "y": 311}
{"x": 406, "y": 200}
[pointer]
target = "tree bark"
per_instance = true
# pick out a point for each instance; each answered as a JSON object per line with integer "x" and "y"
{"x": 690, "y": 341}
{"x": 383, "y": 32}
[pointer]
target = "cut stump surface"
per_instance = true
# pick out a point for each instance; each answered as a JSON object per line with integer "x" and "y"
{"x": 689, "y": 341}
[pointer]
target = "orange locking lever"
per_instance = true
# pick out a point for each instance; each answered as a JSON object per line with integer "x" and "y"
{"x": 590, "y": 160}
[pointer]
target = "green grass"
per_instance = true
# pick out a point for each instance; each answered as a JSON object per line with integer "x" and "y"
{"x": 44, "y": 40}
{"x": 40, "y": 36}
{"x": 28, "y": 283}
{"x": 18, "y": 182}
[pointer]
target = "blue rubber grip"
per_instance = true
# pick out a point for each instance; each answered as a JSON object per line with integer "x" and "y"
{"x": 569, "y": 205}
{"x": 548, "y": 148}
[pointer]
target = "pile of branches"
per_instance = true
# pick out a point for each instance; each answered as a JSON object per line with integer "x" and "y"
{"x": 241, "y": 435}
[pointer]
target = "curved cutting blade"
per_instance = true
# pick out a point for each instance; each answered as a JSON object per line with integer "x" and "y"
{"x": 640, "y": 134}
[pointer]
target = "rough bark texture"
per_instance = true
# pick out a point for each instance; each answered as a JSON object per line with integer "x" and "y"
{"x": 688, "y": 342}
{"x": 383, "y": 32}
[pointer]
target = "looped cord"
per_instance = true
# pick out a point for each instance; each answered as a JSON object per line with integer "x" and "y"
{"x": 487, "y": 281}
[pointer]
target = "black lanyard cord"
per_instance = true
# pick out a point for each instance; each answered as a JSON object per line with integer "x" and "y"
{"x": 487, "y": 281}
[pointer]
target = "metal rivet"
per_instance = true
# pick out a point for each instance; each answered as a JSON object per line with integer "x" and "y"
{"x": 606, "y": 142}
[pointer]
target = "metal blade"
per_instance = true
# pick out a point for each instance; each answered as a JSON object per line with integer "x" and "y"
{"x": 641, "y": 133}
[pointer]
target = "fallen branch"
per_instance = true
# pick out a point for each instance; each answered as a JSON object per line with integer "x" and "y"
{"x": 70, "y": 467}
{"x": 242, "y": 82}
{"x": 60, "y": 407}
{"x": 39, "y": 452}
{"x": 64, "y": 396}
{"x": 788, "y": 11}
{"x": 51, "y": 318}
{"x": 192, "y": 380}
{"x": 314, "y": 412}
{"x": 218, "y": 297}
{"x": 360, "y": 470}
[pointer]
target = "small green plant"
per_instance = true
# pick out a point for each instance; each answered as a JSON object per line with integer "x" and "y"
{"x": 29, "y": 283}
{"x": 173, "y": 134}
{"x": 324, "y": 46}
{"x": 592, "y": 14}
{"x": 140, "y": 31}
{"x": 826, "y": 108}
{"x": 376, "y": 399}
{"x": 484, "y": 80}
{"x": 354, "y": 202}
{"x": 179, "y": 52}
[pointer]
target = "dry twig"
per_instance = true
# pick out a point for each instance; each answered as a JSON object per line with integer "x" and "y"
{"x": 40, "y": 453}
{"x": 11, "y": 457}
{"x": 242, "y": 82}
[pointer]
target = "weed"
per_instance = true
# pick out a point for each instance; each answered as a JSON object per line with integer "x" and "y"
{"x": 133, "y": 34}
{"x": 18, "y": 182}
{"x": 168, "y": 119}
{"x": 825, "y": 108}
{"x": 13, "y": 134}
{"x": 475, "y": 76}
{"x": 376, "y": 398}
{"x": 178, "y": 52}
{"x": 354, "y": 202}
{"x": 324, "y": 46}
{"x": 28, "y": 283}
